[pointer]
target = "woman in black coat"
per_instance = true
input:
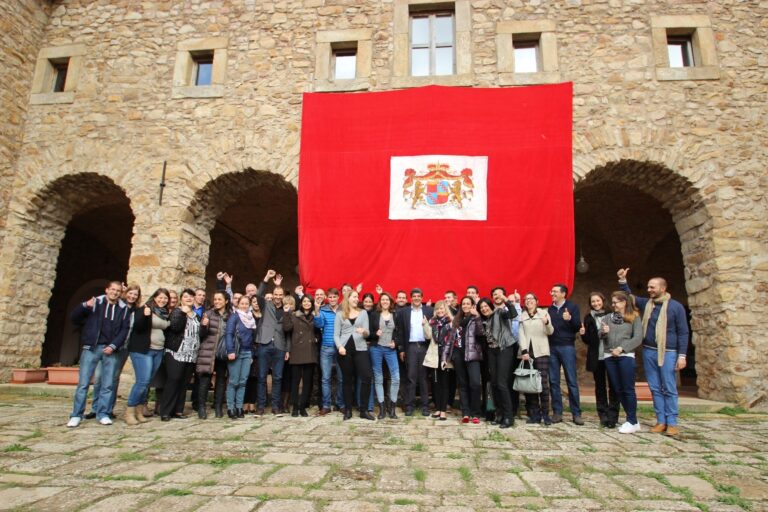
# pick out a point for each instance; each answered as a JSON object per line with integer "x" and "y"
{"x": 212, "y": 327}
{"x": 605, "y": 396}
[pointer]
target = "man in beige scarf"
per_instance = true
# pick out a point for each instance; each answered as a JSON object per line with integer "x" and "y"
{"x": 665, "y": 343}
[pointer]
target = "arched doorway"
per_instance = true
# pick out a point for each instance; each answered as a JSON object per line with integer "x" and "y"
{"x": 87, "y": 222}
{"x": 252, "y": 220}
{"x": 629, "y": 214}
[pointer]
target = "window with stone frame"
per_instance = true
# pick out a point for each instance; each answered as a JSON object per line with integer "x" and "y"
{"x": 57, "y": 74}
{"x": 527, "y": 52}
{"x": 343, "y": 59}
{"x": 432, "y": 43}
{"x": 200, "y": 68}
{"x": 684, "y": 48}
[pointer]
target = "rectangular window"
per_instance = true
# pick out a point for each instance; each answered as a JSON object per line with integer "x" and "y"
{"x": 680, "y": 51}
{"x": 526, "y": 55}
{"x": 60, "y": 68}
{"x": 344, "y": 60}
{"x": 203, "y": 67}
{"x": 432, "y": 44}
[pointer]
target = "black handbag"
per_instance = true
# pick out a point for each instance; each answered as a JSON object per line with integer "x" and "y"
{"x": 221, "y": 348}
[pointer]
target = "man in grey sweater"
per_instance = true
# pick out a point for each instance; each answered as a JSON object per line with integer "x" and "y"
{"x": 273, "y": 346}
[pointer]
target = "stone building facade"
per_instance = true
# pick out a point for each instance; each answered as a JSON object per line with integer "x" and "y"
{"x": 668, "y": 162}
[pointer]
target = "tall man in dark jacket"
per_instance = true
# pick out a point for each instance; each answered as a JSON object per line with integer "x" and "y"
{"x": 411, "y": 340}
{"x": 665, "y": 346}
{"x": 105, "y": 322}
{"x": 566, "y": 322}
{"x": 273, "y": 346}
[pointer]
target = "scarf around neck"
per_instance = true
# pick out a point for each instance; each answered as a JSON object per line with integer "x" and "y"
{"x": 661, "y": 323}
{"x": 247, "y": 318}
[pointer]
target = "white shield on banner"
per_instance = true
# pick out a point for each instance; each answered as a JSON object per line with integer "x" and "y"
{"x": 438, "y": 187}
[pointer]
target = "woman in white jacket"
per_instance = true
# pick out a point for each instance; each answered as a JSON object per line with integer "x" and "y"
{"x": 535, "y": 326}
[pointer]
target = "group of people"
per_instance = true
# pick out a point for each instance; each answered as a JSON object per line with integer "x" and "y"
{"x": 242, "y": 338}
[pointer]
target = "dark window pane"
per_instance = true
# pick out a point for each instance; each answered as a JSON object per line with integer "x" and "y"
{"x": 60, "y": 75}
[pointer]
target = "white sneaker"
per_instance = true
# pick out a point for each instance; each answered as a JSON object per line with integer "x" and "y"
{"x": 74, "y": 421}
{"x": 629, "y": 428}
{"x": 105, "y": 420}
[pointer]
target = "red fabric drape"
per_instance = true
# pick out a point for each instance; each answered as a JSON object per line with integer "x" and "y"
{"x": 527, "y": 241}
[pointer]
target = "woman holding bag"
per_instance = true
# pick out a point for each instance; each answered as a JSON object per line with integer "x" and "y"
{"x": 535, "y": 326}
{"x": 239, "y": 336}
{"x": 440, "y": 325}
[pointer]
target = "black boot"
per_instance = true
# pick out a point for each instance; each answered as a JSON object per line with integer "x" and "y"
{"x": 507, "y": 422}
{"x": 366, "y": 415}
{"x": 392, "y": 409}
{"x": 240, "y": 413}
{"x": 232, "y": 414}
{"x": 382, "y": 411}
{"x": 347, "y": 413}
{"x": 201, "y": 413}
{"x": 219, "y": 411}
{"x": 295, "y": 411}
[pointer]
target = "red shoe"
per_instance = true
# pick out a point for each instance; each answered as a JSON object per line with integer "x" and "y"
{"x": 476, "y": 420}
{"x": 465, "y": 419}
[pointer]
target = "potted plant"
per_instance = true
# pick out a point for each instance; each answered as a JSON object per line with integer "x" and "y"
{"x": 66, "y": 375}
{"x": 28, "y": 374}
{"x": 642, "y": 391}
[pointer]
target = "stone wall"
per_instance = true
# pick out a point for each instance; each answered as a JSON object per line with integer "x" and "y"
{"x": 697, "y": 145}
{"x": 21, "y": 31}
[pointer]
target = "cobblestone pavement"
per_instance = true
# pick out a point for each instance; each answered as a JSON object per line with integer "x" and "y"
{"x": 720, "y": 463}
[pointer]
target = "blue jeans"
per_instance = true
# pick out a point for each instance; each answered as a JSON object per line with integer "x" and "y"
{"x": 88, "y": 361}
{"x": 144, "y": 366}
{"x": 621, "y": 373}
{"x": 663, "y": 383}
{"x": 564, "y": 355}
{"x": 388, "y": 355}
{"x": 122, "y": 357}
{"x": 238, "y": 371}
{"x": 327, "y": 360}
{"x": 269, "y": 358}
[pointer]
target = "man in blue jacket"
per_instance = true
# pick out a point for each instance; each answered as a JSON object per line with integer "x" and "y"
{"x": 665, "y": 345}
{"x": 565, "y": 316}
{"x": 325, "y": 316}
{"x": 105, "y": 322}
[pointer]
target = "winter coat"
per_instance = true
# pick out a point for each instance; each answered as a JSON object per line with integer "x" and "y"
{"x": 442, "y": 334}
{"x": 211, "y": 336}
{"x": 140, "y": 337}
{"x": 592, "y": 339}
{"x": 92, "y": 319}
{"x": 303, "y": 339}
{"x": 473, "y": 343}
{"x": 534, "y": 333}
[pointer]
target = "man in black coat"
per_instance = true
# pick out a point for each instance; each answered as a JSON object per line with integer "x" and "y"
{"x": 411, "y": 337}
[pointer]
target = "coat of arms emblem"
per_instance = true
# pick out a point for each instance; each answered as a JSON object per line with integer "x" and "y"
{"x": 438, "y": 186}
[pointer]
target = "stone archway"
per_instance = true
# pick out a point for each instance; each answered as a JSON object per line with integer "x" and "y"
{"x": 75, "y": 229}
{"x": 645, "y": 216}
{"x": 243, "y": 223}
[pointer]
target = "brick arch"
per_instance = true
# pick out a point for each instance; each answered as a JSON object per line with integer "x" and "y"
{"x": 36, "y": 229}
{"x": 691, "y": 214}
{"x": 210, "y": 202}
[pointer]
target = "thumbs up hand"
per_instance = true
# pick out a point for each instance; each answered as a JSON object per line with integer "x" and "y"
{"x": 582, "y": 331}
{"x": 566, "y": 315}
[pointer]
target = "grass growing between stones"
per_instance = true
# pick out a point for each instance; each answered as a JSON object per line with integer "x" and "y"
{"x": 176, "y": 492}
{"x": 130, "y": 456}
{"x": 34, "y": 435}
{"x": 418, "y": 447}
{"x": 163, "y": 474}
{"x": 405, "y": 501}
{"x": 732, "y": 411}
{"x": 420, "y": 475}
{"x": 496, "y": 498}
{"x": 225, "y": 462}
{"x": 465, "y": 474}
{"x": 16, "y": 447}
{"x": 455, "y": 455}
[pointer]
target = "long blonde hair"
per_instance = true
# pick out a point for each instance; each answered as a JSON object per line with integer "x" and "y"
{"x": 345, "y": 306}
{"x": 630, "y": 312}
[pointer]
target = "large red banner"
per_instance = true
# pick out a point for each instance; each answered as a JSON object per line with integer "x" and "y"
{"x": 347, "y": 144}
